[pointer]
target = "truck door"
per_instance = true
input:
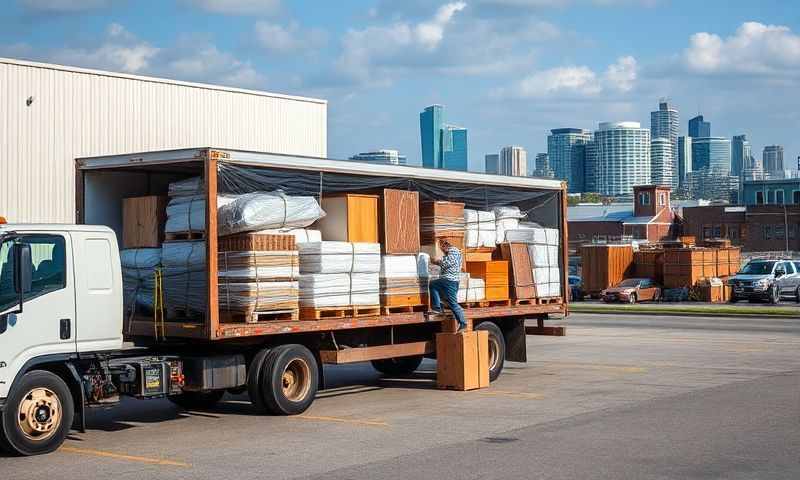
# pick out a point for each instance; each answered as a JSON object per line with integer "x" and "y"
{"x": 46, "y": 325}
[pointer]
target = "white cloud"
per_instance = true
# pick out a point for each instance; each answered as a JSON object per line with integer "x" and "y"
{"x": 755, "y": 48}
{"x": 121, "y": 51}
{"x": 575, "y": 81}
{"x": 430, "y": 33}
{"x": 64, "y": 5}
{"x": 237, "y": 7}
{"x": 286, "y": 39}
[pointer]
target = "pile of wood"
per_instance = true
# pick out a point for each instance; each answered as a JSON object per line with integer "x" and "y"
{"x": 683, "y": 267}
{"x": 649, "y": 264}
{"x": 604, "y": 266}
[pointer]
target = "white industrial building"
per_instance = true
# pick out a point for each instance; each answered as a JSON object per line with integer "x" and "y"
{"x": 51, "y": 114}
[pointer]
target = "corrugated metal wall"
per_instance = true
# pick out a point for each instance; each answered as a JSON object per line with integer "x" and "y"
{"x": 79, "y": 113}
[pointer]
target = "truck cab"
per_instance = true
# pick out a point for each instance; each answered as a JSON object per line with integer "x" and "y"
{"x": 60, "y": 295}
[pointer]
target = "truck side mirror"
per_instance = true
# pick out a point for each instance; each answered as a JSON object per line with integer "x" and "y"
{"x": 23, "y": 270}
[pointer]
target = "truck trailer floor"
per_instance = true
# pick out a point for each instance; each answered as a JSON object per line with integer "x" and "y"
{"x": 621, "y": 397}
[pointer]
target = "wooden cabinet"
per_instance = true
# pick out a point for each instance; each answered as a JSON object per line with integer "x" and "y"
{"x": 143, "y": 221}
{"x": 462, "y": 360}
{"x": 495, "y": 274}
{"x": 350, "y": 218}
{"x": 400, "y": 222}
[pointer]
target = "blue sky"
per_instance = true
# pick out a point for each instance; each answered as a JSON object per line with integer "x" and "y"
{"x": 508, "y": 70}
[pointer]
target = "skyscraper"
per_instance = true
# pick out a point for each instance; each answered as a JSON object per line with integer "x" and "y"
{"x": 443, "y": 145}
{"x": 698, "y": 128}
{"x": 711, "y": 153}
{"x": 562, "y": 154}
{"x": 740, "y": 155}
{"x": 621, "y": 154}
{"x": 684, "y": 159}
{"x": 664, "y": 123}
{"x": 542, "y": 166}
{"x": 383, "y": 156}
{"x": 513, "y": 161}
{"x": 772, "y": 158}
{"x": 492, "y": 163}
{"x": 590, "y": 168}
{"x": 662, "y": 162}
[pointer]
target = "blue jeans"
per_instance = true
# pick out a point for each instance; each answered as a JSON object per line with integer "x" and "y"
{"x": 448, "y": 289}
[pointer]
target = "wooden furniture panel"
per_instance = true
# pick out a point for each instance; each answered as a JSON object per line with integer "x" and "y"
{"x": 495, "y": 274}
{"x": 462, "y": 360}
{"x": 350, "y": 218}
{"x": 520, "y": 272}
{"x": 143, "y": 220}
{"x": 400, "y": 222}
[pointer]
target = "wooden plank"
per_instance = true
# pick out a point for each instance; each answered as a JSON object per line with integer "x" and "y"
{"x": 212, "y": 261}
{"x": 400, "y": 222}
{"x": 143, "y": 220}
{"x": 366, "y": 354}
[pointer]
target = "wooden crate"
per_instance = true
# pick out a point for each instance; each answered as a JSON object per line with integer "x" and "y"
{"x": 495, "y": 274}
{"x": 350, "y": 218}
{"x": 462, "y": 360}
{"x": 683, "y": 267}
{"x": 520, "y": 273}
{"x": 728, "y": 261}
{"x": 400, "y": 222}
{"x": 143, "y": 220}
{"x": 256, "y": 242}
{"x": 604, "y": 266}
{"x": 440, "y": 219}
{"x": 649, "y": 264}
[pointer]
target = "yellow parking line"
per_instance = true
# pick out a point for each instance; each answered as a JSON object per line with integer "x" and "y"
{"x": 369, "y": 423}
{"x": 506, "y": 393}
{"x": 119, "y": 456}
{"x": 595, "y": 366}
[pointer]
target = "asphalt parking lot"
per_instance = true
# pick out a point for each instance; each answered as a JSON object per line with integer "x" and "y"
{"x": 619, "y": 397}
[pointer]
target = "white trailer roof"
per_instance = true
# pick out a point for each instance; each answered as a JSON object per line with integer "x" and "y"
{"x": 314, "y": 164}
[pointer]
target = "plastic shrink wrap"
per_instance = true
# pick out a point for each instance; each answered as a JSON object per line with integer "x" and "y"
{"x": 138, "y": 278}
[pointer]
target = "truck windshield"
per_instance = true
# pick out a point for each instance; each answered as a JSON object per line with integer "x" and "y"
{"x": 758, "y": 268}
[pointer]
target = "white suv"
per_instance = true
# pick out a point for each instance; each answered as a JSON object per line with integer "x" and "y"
{"x": 767, "y": 280}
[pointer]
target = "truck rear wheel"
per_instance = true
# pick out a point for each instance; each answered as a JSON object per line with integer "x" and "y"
{"x": 38, "y": 414}
{"x": 397, "y": 366}
{"x": 289, "y": 380}
{"x": 198, "y": 400}
{"x": 497, "y": 349}
{"x": 254, "y": 374}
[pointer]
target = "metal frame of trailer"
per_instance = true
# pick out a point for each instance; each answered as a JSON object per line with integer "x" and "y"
{"x": 208, "y": 158}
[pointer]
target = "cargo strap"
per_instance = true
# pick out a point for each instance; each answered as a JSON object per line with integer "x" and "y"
{"x": 158, "y": 306}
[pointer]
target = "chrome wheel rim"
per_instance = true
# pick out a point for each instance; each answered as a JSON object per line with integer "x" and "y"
{"x": 39, "y": 414}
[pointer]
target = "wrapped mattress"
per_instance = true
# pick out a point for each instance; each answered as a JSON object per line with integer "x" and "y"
{"x": 267, "y": 210}
{"x": 480, "y": 229}
{"x": 138, "y": 278}
{"x": 258, "y": 265}
{"x": 339, "y": 257}
{"x": 339, "y": 289}
{"x": 506, "y": 218}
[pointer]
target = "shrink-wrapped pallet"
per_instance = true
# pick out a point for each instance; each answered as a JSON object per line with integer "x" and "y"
{"x": 548, "y": 281}
{"x": 184, "y": 277}
{"x": 506, "y": 218}
{"x": 267, "y": 210}
{"x": 319, "y": 290}
{"x": 258, "y": 266}
{"x": 480, "y": 229}
{"x": 260, "y": 296}
{"x": 401, "y": 283}
{"x": 186, "y": 214}
{"x": 188, "y": 187}
{"x": 138, "y": 278}
{"x": 339, "y": 257}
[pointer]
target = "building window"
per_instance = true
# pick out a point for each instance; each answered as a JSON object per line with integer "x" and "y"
{"x": 733, "y": 232}
{"x": 779, "y": 197}
{"x": 644, "y": 198}
{"x": 717, "y": 231}
{"x": 759, "y": 198}
{"x": 796, "y": 197}
{"x": 770, "y": 196}
{"x": 662, "y": 199}
{"x": 780, "y": 232}
{"x": 708, "y": 231}
{"x": 767, "y": 232}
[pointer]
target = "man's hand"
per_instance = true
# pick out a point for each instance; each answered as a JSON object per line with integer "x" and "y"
{"x": 435, "y": 261}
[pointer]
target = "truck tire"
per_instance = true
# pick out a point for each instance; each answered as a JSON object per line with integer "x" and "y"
{"x": 38, "y": 414}
{"x": 289, "y": 380}
{"x": 254, "y": 374}
{"x": 397, "y": 366}
{"x": 497, "y": 349}
{"x": 198, "y": 400}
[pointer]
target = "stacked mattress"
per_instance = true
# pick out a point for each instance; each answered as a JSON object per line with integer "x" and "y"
{"x": 339, "y": 274}
{"x": 481, "y": 230}
{"x": 258, "y": 281}
{"x": 401, "y": 282}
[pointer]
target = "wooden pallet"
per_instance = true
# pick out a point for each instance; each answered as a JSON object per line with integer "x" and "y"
{"x": 548, "y": 300}
{"x": 256, "y": 317}
{"x": 311, "y": 313}
{"x": 386, "y": 310}
{"x": 523, "y": 301}
{"x": 481, "y": 304}
{"x": 176, "y": 236}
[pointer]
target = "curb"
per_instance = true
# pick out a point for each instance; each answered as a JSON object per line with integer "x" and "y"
{"x": 610, "y": 311}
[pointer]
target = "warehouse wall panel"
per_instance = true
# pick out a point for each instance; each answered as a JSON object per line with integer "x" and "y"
{"x": 79, "y": 113}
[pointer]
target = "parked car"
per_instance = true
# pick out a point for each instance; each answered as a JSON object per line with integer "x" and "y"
{"x": 576, "y": 293}
{"x": 766, "y": 280}
{"x": 632, "y": 290}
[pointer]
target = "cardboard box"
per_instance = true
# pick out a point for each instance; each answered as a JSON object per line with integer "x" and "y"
{"x": 143, "y": 220}
{"x": 462, "y": 360}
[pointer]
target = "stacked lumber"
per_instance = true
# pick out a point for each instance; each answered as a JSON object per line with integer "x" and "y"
{"x": 350, "y": 218}
{"x": 143, "y": 221}
{"x": 649, "y": 264}
{"x": 441, "y": 220}
{"x": 520, "y": 271}
{"x": 401, "y": 284}
{"x": 336, "y": 278}
{"x": 494, "y": 274}
{"x": 604, "y": 266}
{"x": 400, "y": 233}
{"x": 683, "y": 267}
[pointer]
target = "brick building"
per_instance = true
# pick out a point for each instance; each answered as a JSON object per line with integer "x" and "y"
{"x": 756, "y": 228}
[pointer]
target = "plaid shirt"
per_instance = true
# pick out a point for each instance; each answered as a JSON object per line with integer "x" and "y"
{"x": 451, "y": 265}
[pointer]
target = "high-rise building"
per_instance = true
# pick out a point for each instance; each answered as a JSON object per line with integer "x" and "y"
{"x": 740, "y": 155}
{"x": 590, "y": 168}
{"x": 664, "y": 123}
{"x": 443, "y": 145}
{"x": 662, "y": 163}
{"x": 621, "y": 154}
{"x": 698, "y": 128}
{"x": 712, "y": 185}
{"x": 684, "y": 159}
{"x": 513, "y": 161}
{"x": 772, "y": 158}
{"x": 566, "y": 160}
{"x": 383, "y": 156}
{"x": 542, "y": 166}
{"x": 711, "y": 153}
{"x": 492, "y": 163}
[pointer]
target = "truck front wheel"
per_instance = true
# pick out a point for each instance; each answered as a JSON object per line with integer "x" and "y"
{"x": 38, "y": 414}
{"x": 289, "y": 379}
